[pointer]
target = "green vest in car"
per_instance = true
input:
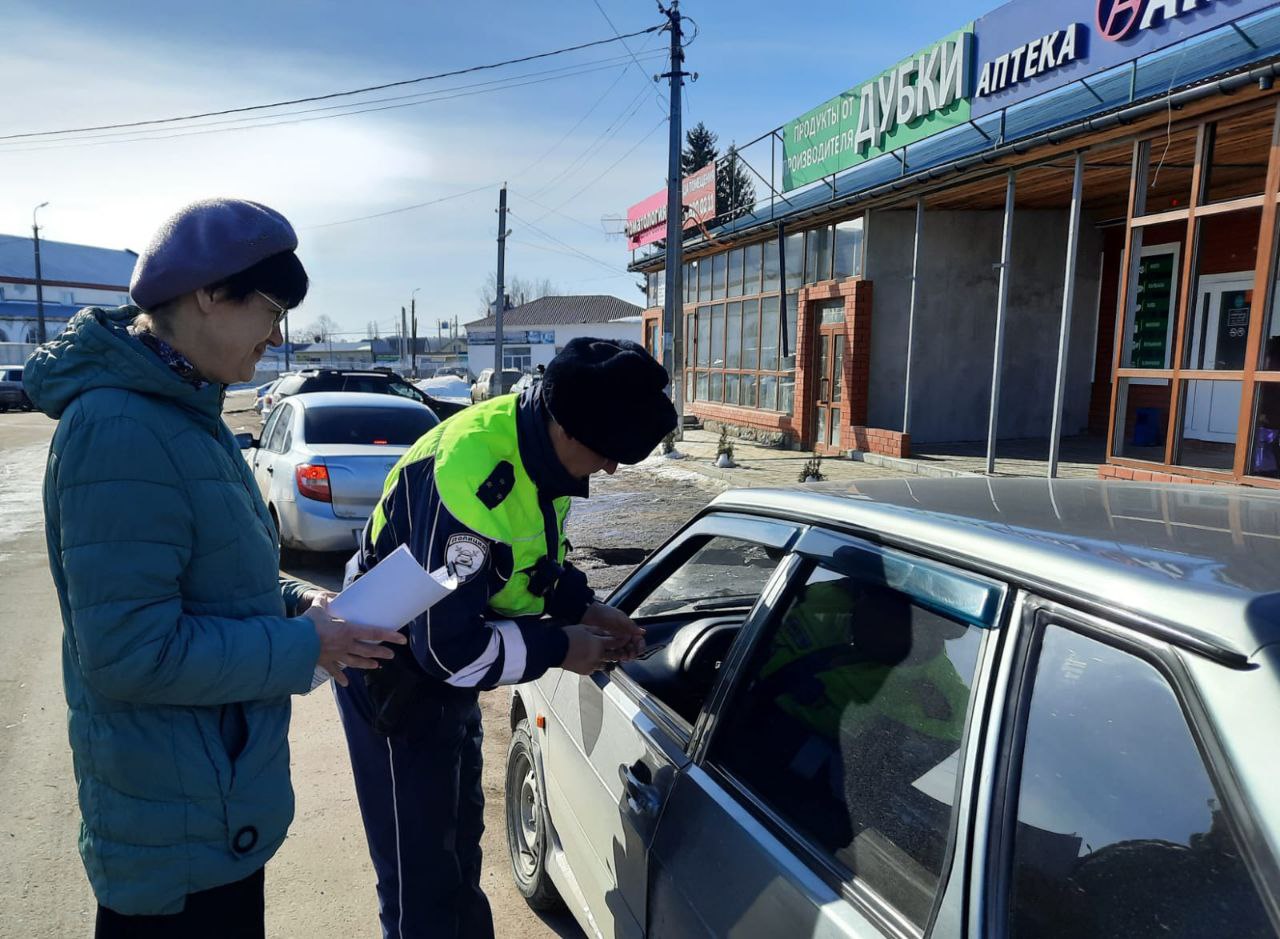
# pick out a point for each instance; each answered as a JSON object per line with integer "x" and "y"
{"x": 468, "y": 450}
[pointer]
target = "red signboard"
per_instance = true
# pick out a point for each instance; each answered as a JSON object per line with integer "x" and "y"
{"x": 647, "y": 220}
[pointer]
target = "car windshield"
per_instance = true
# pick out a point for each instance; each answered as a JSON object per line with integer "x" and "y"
{"x": 392, "y": 427}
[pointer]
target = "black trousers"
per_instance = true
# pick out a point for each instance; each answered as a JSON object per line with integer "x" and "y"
{"x": 232, "y": 911}
{"x": 423, "y": 808}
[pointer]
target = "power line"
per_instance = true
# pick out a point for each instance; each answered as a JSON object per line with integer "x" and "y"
{"x": 662, "y": 104}
{"x": 336, "y": 94}
{"x": 564, "y": 244}
{"x": 609, "y": 169}
{"x": 359, "y": 109}
{"x": 615, "y": 127}
{"x": 407, "y": 208}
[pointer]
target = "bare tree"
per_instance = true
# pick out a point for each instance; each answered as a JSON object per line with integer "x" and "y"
{"x": 322, "y": 329}
{"x": 517, "y": 288}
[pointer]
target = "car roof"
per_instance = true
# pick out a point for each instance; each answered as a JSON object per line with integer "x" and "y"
{"x": 355, "y": 399}
{"x": 1201, "y": 562}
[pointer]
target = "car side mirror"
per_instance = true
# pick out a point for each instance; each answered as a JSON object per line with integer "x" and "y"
{"x": 246, "y": 441}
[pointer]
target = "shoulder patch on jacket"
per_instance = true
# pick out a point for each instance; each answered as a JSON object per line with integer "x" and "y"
{"x": 498, "y": 486}
{"x": 465, "y": 556}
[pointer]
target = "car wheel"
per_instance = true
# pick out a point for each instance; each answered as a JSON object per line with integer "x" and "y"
{"x": 527, "y": 825}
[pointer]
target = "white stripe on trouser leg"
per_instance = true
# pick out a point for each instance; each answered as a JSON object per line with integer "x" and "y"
{"x": 395, "y": 815}
{"x": 468, "y": 677}
{"x": 513, "y": 651}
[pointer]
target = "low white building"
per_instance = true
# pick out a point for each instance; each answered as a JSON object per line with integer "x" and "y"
{"x": 534, "y": 332}
{"x": 72, "y": 277}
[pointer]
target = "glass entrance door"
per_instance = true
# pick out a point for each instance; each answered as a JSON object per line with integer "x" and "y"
{"x": 1218, "y": 338}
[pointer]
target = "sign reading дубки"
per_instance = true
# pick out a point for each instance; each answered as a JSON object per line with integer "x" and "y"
{"x": 1021, "y": 50}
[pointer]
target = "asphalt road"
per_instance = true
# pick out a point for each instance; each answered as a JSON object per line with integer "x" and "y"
{"x": 321, "y": 882}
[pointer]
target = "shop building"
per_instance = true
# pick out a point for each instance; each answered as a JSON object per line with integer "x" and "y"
{"x": 1057, "y": 224}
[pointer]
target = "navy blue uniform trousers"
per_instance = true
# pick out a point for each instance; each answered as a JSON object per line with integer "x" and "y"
{"x": 423, "y": 808}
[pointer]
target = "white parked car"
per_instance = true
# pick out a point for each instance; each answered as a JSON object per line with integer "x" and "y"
{"x": 322, "y": 459}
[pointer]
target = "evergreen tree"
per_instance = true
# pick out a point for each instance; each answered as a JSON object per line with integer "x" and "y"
{"x": 735, "y": 189}
{"x": 699, "y": 149}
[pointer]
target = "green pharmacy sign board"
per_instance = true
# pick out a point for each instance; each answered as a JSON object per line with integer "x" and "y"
{"x": 920, "y": 96}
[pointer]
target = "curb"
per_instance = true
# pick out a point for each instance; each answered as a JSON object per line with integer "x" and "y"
{"x": 907, "y": 466}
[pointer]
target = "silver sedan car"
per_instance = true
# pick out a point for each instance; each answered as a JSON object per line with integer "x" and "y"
{"x": 322, "y": 459}
{"x": 944, "y": 708}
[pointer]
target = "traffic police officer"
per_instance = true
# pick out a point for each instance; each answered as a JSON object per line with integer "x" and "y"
{"x": 485, "y": 494}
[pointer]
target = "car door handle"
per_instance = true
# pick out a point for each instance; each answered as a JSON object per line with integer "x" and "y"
{"x": 642, "y": 795}
{"x": 271, "y": 470}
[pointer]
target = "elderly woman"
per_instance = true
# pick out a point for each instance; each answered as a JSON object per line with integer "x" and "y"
{"x": 181, "y": 643}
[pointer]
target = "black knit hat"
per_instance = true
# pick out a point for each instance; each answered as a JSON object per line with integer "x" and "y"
{"x": 608, "y": 394}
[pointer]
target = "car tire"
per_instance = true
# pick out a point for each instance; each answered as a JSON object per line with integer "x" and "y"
{"x": 527, "y": 828}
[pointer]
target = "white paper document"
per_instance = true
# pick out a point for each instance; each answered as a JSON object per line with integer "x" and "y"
{"x": 396, "y": 591}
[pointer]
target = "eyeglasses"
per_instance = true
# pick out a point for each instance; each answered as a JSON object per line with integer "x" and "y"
{"x": 281, "y": 312}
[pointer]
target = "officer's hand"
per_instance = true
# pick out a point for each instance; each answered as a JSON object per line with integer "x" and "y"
{"x": 618, "y": 626}
{"x": 348, "y": 645}
{"x": 588, "y": 651}
{"x": 312, "y": 597}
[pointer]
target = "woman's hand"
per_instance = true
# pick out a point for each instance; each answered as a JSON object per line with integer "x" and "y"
{"x": 348, "y": 645}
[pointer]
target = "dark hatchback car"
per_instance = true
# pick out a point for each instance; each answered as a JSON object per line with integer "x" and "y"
{"x": 372, "y": 381}
{"x": 12, "y": 392}
{"x": 953, "y": 708}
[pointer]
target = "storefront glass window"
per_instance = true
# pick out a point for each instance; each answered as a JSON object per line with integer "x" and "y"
{"x": 735, "y": 273}
{"x": 1239, "y": 149}
{"x": 1142, "y": 418}
{"x": 702, "y": 385}
{"x": 1170, "y": 163}
{"x": 793, "y": 310}
{"x": 733, "y": 338}
{"x": 1210, "y": 416}
{"x": 690, "y": 283}
{"x": 717, "y": 336}
{"x": 769, "y": 393}
{"x": 787, "y": 393}
{"x": 717, "y": 276}
{"x": 769, "y": 334}
{"x": 795, "y": 260}
{"x": 848, "y": 250}
{"x": 771, "y": 274}
{"x": 818, "y": 258}
{"x": 751, "y": 270}
{"x": 703, "y": 267}
{"x": 731, "y": 383}
{"x": 716, "y": 393}
{"x": 704, "y": 336}
{"x": 1151, "y": 312}
{"x": 750, "y": 382}
{"x": 751, "y": 334}
{"x": 1219, "y": 308}
{"x": 1264, "y": 453}
{"x": 1269, "y": 350}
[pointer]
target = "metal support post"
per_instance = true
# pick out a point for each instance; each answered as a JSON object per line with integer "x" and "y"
{"x": 41, "y": 333}
{"x": 911, "y": 315}
{"x": 673, "y": 308}
{"x": 1002, "y": 303}
{"x": 1068, "y": 300}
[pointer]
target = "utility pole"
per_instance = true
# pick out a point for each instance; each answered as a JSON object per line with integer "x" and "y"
{"x": 495, "y": 385}
{"x": 404, "y": 332}
{"x": 41, "y": 335}
{"x": 673, "y": 311}
{"x": 413, "y": 326}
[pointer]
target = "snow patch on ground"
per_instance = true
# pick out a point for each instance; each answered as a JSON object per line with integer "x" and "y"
{"x": 21, "y": 484}
{"x": 661, "y": 467}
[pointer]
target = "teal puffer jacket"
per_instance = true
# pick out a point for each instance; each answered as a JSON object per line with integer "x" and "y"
{"x": 179, "y": 655}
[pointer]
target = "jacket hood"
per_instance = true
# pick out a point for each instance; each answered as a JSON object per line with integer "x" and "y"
{"x": 97, "y": 351}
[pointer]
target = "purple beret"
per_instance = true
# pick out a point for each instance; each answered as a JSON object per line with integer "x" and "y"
{"x": 206, "y": 242}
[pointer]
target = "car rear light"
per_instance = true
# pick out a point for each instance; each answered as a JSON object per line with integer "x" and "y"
{"x": 313, "y": 482}
{"x": 380, "y": 443}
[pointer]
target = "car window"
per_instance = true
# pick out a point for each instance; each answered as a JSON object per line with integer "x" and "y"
{"x": 1120, "y": 832}
{"x": 280, "y": 428}
{"x": 394, "y": 427}
{"x": 847, "y": 722}
{"x": 289, "y": 386}
{"x": 405, "y": 390}
{"x": 270, "y": 426}
{"x": 724, "y": 572}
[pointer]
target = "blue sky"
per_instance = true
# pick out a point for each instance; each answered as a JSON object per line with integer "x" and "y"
{"x": 586, "y": 146}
